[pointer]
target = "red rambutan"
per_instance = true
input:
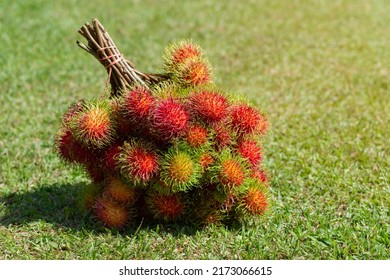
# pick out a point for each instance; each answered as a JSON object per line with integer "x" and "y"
{"x": 255, "y": 201}
{"x": 180, "y": 53}
{"x": 259, "y": 175}
{"x": 209, "y": 106}
{"x": 251, "y": 151}
{"x": 120, "y": 192}
{"x": 110, "y": 158}
{"x": 95, "y": 172}
{"x": 196, "y": 135}
{"x": 166, "y": 207}
{"x": 73, "y": 109}
{"x": 169, "y": 119}
{"x": 111, "y": 213}
{"x": 137, "y": 103}
{"x": 222, "y": 135}
{"x": 246, "y": 119}
{"x": 138, "y": 162}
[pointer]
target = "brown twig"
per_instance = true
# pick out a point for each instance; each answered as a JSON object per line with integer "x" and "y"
{"x": 122, "y": 73}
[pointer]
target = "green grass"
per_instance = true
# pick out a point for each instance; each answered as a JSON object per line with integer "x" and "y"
{"x": 320, "y": 69}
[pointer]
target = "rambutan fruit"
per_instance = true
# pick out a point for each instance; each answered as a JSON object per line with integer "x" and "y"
{"x": 63, "y": 142}
{"x": 111, "y": 213}
{"x": 178, "y": 54}
{"x": 194, "y": 72}
{"x": 179, "y": 171}
{"x": 246, "y": 119}
{"x": 110, "y": 158}
{"x": 196, "y": 135}
{"x": 138, "y": 162}
{"x": 137, "y": 103}
{"x": 209, "y": 106}
{"x": 69, "y": 149}
{"x": 251, "y": 151}
{"x": 259, "y": 175}
{"x": 231, "y": 173}
{"x": 169, "y": 119}
{"x": 166, "y": 207}
{"x": 73, "y": 110}
{"x": 120, "y": 192}
{"x": 89, "y": 194}
{"x": 206, "y": 159}
{"x": 222, "y": 135}
{"x": 93, "y": 126}
{"x": 95, "y": 172}
{"x": 255, "y": 201}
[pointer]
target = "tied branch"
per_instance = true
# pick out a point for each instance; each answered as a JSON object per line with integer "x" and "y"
{"x": 122, "y": 73}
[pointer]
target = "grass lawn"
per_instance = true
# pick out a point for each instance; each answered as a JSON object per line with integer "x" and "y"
{"x": 319, "y": 69}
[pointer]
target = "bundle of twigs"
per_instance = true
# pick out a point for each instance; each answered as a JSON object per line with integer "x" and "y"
{"x": 122, "y": 73}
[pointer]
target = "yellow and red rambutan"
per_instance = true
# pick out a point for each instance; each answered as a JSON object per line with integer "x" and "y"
{"x": 231, "y": 173}
{"x": 179, "y": 171}
{"x": 246, "y": 119}
{"x": 178, "y": 54}
{"x": 110, "y": 158}
{"x": 138, "y": 162}
{"x": 255, "y": 201}
{"x": 169, "y": 119}
{"x": 93, "y": 126}
{"x": 196, "y": 135}
{"x": 166, "y": 207}
{"x": 194, "y": 72}
{"x": 209, "y": 106}
{"x": 251, "y": 151}
{"x": 111, "y": 213}
{"x": 120, "y": 191}
{"x": 137, "y": 104}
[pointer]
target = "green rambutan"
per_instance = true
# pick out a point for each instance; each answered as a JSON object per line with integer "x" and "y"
{"x": 178, "y": 54}
{"x": 246, "y": 119}
{"x": 120, "y": 192}
{"x": 166, "y": 207}
{"x": 111, "y": 213}
{"x": 179, "y": 171}
{"x": 251, "y": 151}
{"x": 138, "y": 162}
{"x": 93, "y": 126}
{"x": 196, "y": 135}
{"x": 169, "y": 119}
{"x": 209, "y": 106}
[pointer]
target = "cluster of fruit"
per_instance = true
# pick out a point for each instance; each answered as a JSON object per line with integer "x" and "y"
{"x": 181, "y": 149}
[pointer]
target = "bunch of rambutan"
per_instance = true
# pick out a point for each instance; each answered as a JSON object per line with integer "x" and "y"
{"x": 177, "y": 150}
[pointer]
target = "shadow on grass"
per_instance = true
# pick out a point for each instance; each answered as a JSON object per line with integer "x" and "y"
{"x": 58, "y": 205}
